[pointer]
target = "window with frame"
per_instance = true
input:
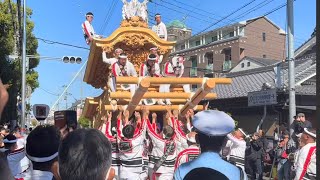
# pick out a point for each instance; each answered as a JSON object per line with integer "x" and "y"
{"x": 248, "y": 64}
{"x": 231, "y": 34}
{"x": 264, "y": 56}
{"x": 242, "y": 65}
{"x": 263, "y": 37}
{"x": 197, "y": 43}
{"x": 214, "y": 38}
{"x": 182, "y": 47}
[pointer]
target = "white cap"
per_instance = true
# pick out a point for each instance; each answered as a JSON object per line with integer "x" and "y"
{"x": 153, "y": 48}
{"x": 213, "y": 123}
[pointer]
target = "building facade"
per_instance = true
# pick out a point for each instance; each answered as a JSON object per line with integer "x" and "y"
{"x": 221, "y": 49}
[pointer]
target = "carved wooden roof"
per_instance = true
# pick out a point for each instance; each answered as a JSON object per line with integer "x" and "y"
{"x": 135, "y": 38}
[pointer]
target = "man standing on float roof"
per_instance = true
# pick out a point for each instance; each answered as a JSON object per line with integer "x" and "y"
{"x": 88, "y": 30}
{"x": 160, "y": 28}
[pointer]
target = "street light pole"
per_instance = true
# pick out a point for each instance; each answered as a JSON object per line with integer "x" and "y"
{"x": 23, "y": 82}
{"x": 290, "y": 32}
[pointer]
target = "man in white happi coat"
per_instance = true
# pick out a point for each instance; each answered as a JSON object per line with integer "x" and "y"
{"x": 306, "y": 163}
{"x": 160, "y": 28}
{"x": 87, "y": 28}
{"x": 154, "y": 50}
{"x": 123, "y": 67}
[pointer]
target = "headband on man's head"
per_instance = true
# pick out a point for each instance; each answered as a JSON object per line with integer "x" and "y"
{"x": 42, "y": 159}
{"x": 89, "y": 14}
{"x": 118, "y": 49}
{"x": 305, "y": 130}
{"x": 157, "y": 15}
{"x": 123, "y": 56}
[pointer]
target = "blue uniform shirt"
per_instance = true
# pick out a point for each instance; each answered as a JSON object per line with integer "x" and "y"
{"x": 209, "y": 160}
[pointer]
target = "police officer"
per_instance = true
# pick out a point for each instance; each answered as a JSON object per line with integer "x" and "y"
{"x": 212, "y": 127}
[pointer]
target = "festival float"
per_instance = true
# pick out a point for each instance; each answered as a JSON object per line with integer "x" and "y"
{"x": 135, "y": 38}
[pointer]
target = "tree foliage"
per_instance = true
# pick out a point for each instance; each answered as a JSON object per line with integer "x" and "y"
{"x": 84, "y": 122}
{"x": 10, "y": 71}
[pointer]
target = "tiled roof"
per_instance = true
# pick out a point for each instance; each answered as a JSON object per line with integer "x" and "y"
{"x": 253, "y": 79}
{"x": 263, "y": 61}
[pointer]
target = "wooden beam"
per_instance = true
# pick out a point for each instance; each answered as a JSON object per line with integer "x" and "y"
{"x": 158, "y": 107}
{"x": 198, "y": 96}
{"x": 182, "y": 80}
{"x": 137, "y": 96}
{"x": 157, "y": 95}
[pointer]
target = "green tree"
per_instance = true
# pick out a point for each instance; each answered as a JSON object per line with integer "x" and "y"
{"x": 10, "y": 71}
{"x": 84, "y": 122}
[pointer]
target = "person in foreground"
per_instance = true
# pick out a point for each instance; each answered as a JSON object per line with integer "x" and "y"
{"x": 42, "y": 150}
{"x": 85, "y": 154}
{"x": 212, "y": 127}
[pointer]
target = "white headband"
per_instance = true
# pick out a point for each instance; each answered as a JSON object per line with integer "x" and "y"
{"x": 154, "y": 48}
{"x": 309, "y": 133}
{"x": 152, "y": 59}
{"x": 42, "y": 159}
{"x": 9, "y": 141}
{"x": 118, "y": 49}
{"x": 122, "y": 56}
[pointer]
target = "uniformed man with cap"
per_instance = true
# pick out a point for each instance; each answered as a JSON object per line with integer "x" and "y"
{"x": 154, "y": 50}
{"x": 87, "y": 28}
{"x": 212, "y": 127}
{"x": 306, "y": 163}
{"x": 160, "y": 28}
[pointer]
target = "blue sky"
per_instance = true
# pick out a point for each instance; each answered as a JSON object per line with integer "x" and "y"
{"x": 60, "y": 20}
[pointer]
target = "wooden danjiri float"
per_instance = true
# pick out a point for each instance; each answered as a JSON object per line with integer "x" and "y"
{"x": 135, "y": 38}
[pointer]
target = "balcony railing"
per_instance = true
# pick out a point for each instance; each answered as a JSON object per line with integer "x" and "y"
{"x": 193, "y": 72}
{"x": 226, "y": 65}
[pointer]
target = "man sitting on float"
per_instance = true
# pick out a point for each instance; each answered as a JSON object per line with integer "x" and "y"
{"x": 154, "y": 50}
{"x": 111, "y": 61}
{"x": 173, "y": 68}
{"x": 124, "y": 68}
{"x": 150, "y": 69}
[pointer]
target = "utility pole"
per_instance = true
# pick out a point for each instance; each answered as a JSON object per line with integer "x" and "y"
{"x": 23, "y": 82}
{"x": 290, "y": 32}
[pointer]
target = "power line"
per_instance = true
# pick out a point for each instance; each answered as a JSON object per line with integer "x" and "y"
{"x": 108, "y": 16}
{"x": 61, "y": 43}
{"x": 48, "y": 92}
{"x": 230, "y": 14}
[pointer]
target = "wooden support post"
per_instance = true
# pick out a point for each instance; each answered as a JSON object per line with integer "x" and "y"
{"x": 142, "y": 89}
{"x": 198, "y": 96}
{"x": 159, "y": 107}
{"x": 157, "y": 95}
